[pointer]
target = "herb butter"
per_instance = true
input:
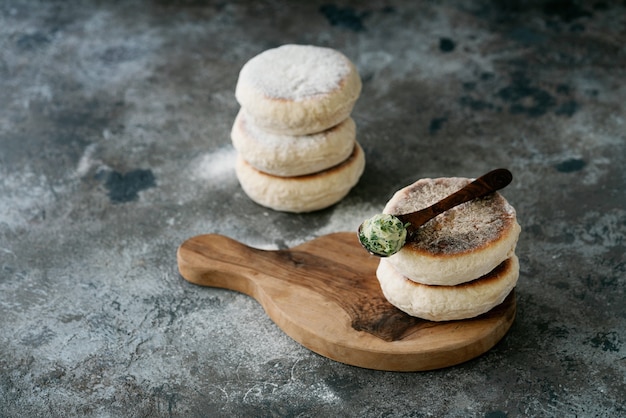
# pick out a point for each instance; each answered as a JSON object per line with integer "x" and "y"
{"x": 383, "y": 234}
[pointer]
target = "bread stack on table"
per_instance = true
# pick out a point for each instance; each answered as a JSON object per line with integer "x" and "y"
{"x": 295, "y": 139}
{"x": 461, "y": 263}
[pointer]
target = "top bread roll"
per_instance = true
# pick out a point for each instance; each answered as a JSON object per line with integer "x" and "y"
{"x": 459, "y": 245}
{"x": 298, "y": 89}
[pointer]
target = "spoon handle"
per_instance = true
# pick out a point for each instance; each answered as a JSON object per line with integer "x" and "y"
{"x": 482, "y": 186}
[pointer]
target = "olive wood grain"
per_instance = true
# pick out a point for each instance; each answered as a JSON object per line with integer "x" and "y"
{"x": 325, "y": 295}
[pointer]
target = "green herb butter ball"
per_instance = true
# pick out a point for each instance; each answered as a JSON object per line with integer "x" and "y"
{"x": 383, "y": 234}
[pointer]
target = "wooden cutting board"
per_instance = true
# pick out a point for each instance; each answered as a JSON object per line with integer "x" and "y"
{"x": 325, "y": 295}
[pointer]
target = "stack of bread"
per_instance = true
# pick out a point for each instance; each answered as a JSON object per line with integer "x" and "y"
{"x": 458, "y": 265}
{"x": 295, "y": 139}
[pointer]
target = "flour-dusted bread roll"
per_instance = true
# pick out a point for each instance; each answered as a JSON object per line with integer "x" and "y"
{"x": 446, "y": 303}
{"x": 287, "y": 155}
{"x": 302, "y": 193}
{"x": 298, "y": 89}
{"x": 459, "y": 245}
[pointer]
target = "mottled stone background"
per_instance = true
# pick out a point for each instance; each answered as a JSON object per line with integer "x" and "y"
{"x": 115, "y": 148}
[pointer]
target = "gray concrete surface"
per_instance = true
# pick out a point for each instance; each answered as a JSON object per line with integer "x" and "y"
{"x": 114, "y": 148}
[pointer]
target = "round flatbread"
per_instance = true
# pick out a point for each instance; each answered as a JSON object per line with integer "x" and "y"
{"x": 459, "y": 245}
{"x": 298, "y": 89}
{"x": 288, "y": 155}
{"x": 302, "y": 193}
{"x": 446, "y": 303}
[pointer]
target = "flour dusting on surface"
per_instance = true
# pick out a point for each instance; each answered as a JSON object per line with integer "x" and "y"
{"x": 348, "y": 217}
{"x": 87, "y": 161}
{"x": 24, "y": 197}
{"x": 217, "y": 167}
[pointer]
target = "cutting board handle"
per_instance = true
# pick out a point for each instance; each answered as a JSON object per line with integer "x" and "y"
{"x": 218, "y": 261}
{"x": 320, "y": 266}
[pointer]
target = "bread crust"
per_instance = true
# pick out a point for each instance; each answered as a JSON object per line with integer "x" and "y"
{"x": 298, "y": 89}
{"x": 292, "y": 155}
{"x": 302, "y": 193}
{"x": 459, "y": 245}
{"x": 446, "y": 303}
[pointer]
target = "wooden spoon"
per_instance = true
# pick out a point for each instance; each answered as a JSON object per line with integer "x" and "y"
{"x": 482, "y": 186}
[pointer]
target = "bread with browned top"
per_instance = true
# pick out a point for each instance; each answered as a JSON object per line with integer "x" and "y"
{"x": 459, "y": 245}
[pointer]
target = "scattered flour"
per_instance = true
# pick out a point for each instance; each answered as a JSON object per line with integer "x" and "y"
{"x": 40, "y": 92}
{"x": 25, "y": 195}
{"x": 217, "y": 167}
{"x": 87, "y": 161}
{"x": 348, "y": 217}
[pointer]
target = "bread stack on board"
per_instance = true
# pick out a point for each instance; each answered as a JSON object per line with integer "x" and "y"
{"x": 296, "y": 142}
{"x": 458, "y": 265}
